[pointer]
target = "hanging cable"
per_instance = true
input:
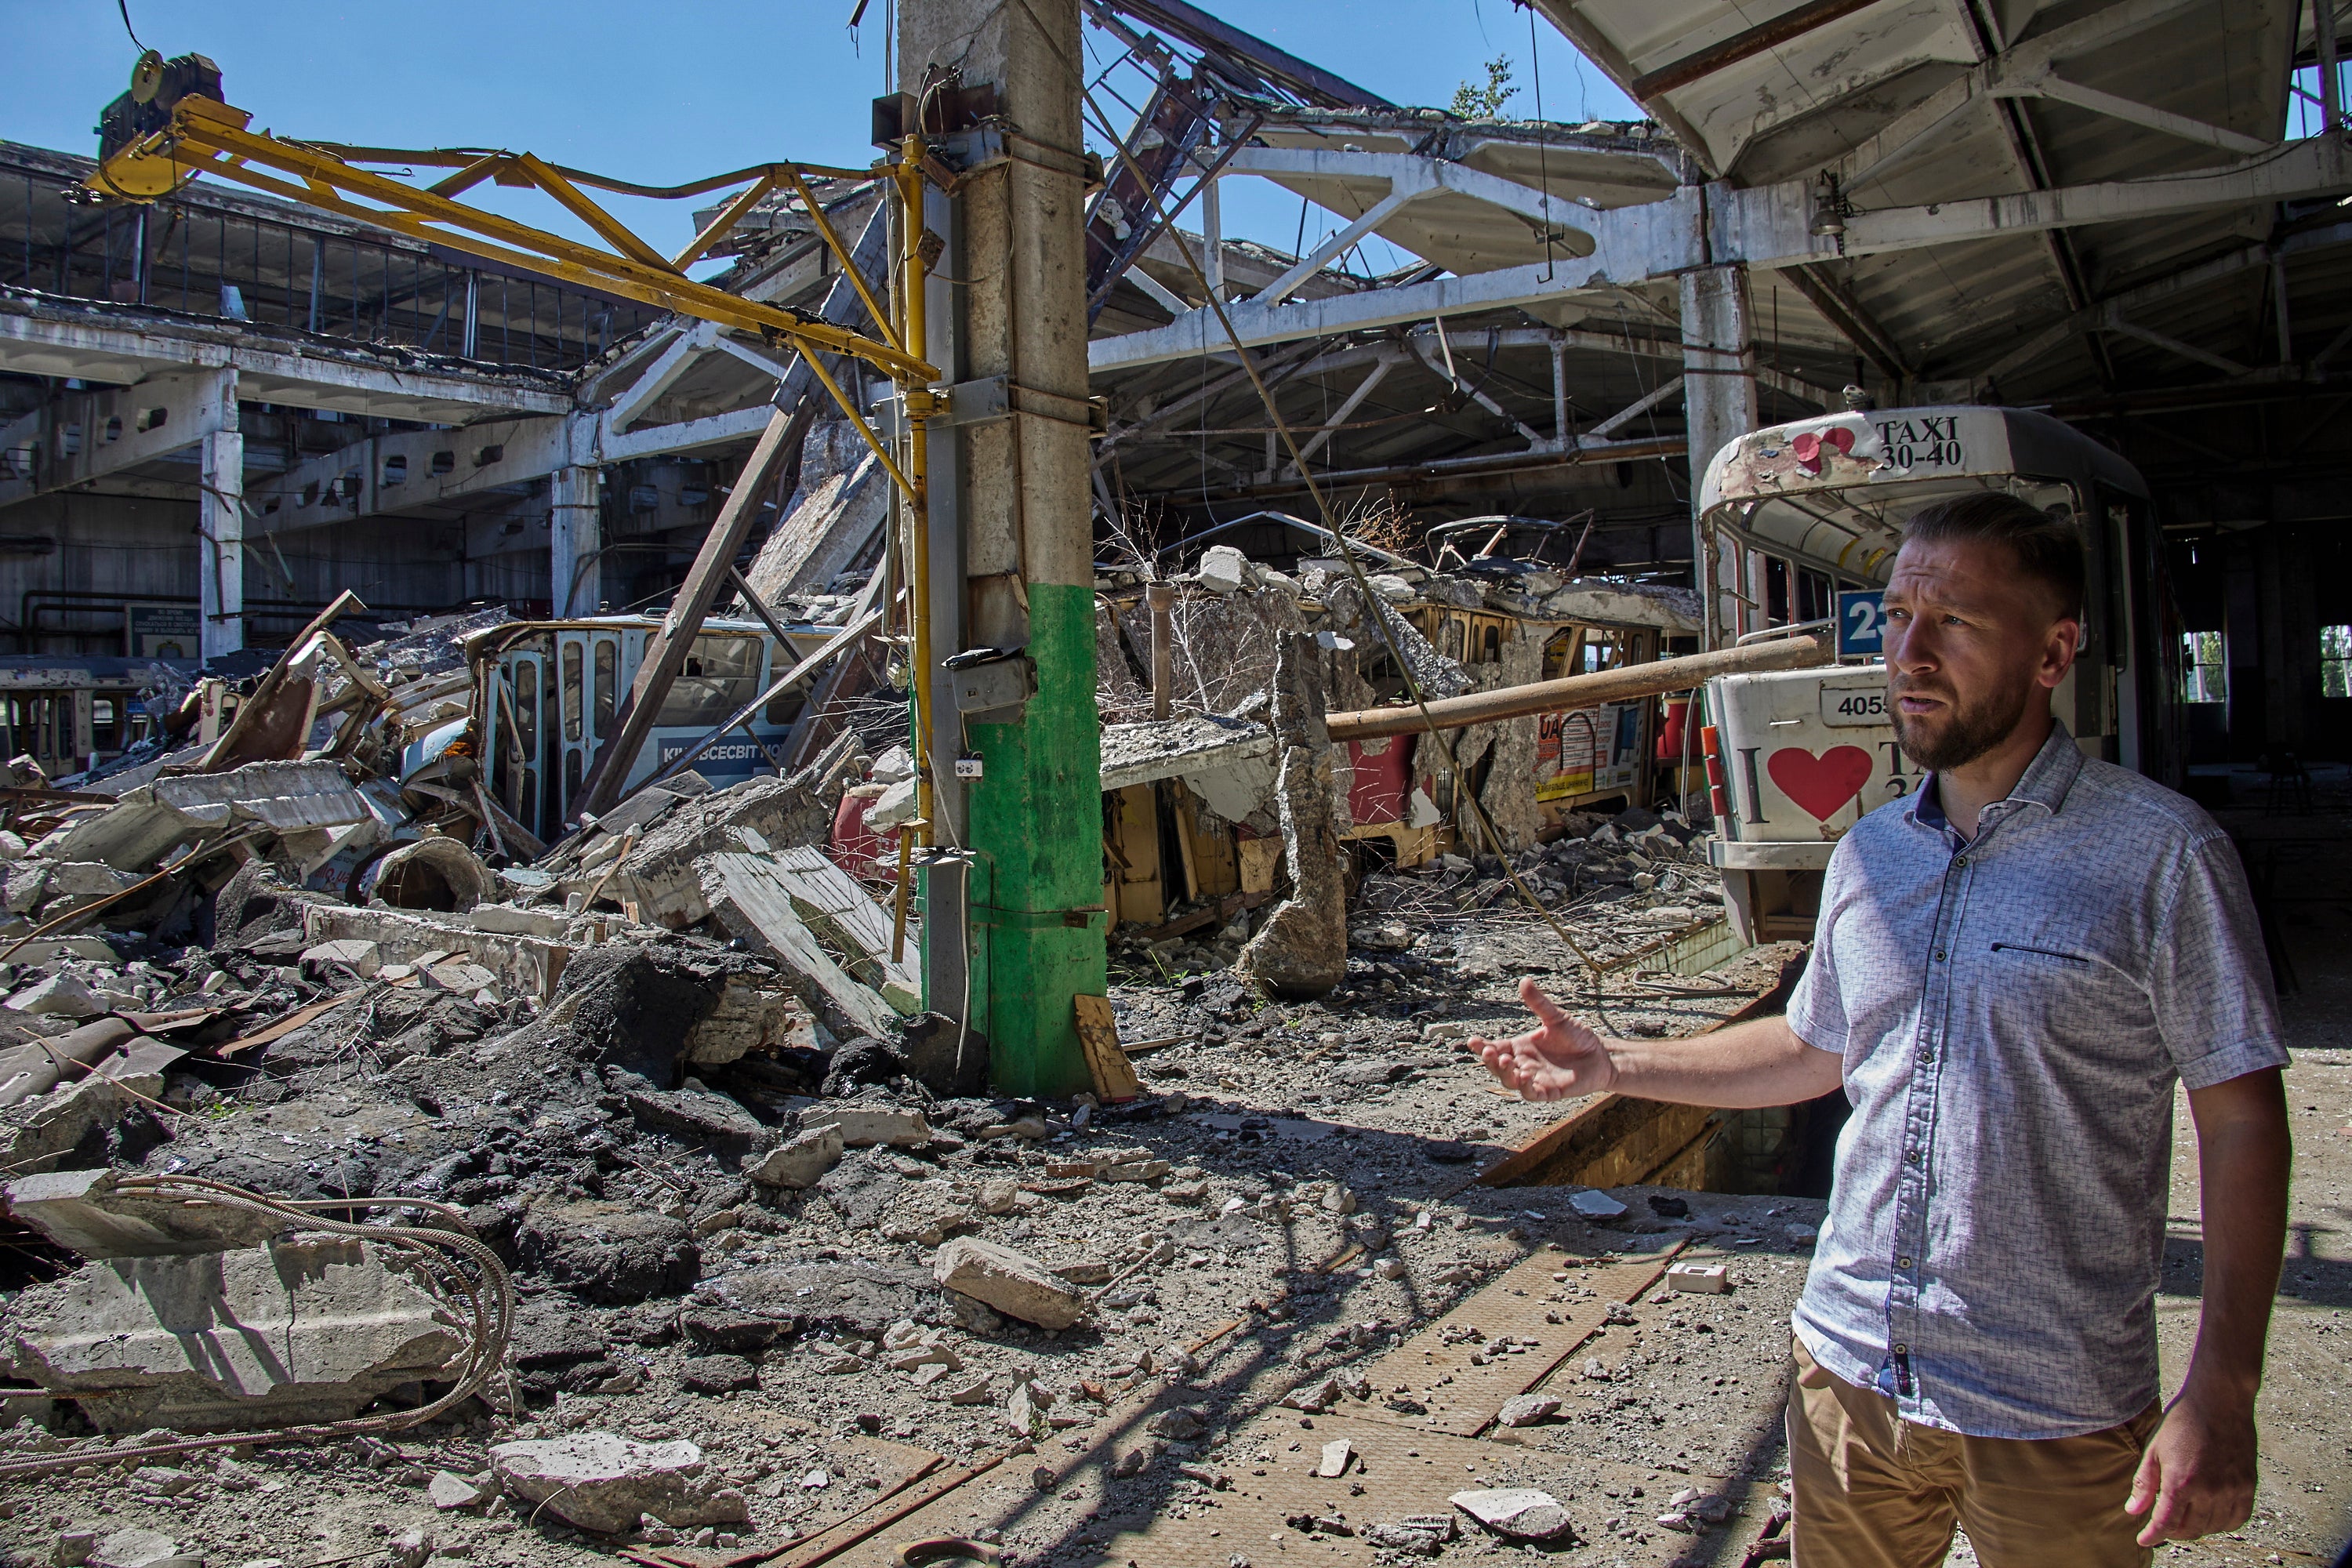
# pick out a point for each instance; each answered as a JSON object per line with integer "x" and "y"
{"x": 1543, "y": 145}
{"x": 124, "y": 6}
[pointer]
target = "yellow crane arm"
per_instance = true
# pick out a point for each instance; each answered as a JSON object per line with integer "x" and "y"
{"x": 206, "y": 136}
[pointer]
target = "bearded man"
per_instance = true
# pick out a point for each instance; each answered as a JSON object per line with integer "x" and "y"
{"x": 2011, "y": 969}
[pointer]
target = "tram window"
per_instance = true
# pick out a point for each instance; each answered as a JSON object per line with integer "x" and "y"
{"x": 571, "y": 778}
{"x": 2335, "y": 661}
{"x": 605, "y": 665}
{"x": 2202, "y": 664}
{"x": 572, "y": 691}
{"x": 526, "y": 715}
{"x": 783, "y": 707}
{"x": 102, "y": 722}
{"x": 721, "y": 674}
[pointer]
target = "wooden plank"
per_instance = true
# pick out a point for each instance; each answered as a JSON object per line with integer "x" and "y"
{"x": 1114, "y": 1075}
{"x": 1209, "y": 859}
{"x": 1462, "y": 1397}
{"x": 1404, "y": 1471}
{"x": 750, "y": 899}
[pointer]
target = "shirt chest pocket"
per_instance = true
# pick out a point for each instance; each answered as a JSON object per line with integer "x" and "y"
{"x": 2042, "y": 952}
{"x": 2073, "y": 968}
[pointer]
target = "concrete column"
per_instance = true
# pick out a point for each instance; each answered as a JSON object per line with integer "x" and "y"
{"x": 574, "y": 571}
{"x": 1036, "y": 814}
{"x": 1719, "y": 403}
{"x": 220, "y": 543}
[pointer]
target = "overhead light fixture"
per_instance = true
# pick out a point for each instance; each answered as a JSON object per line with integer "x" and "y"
{"x": 1829, "y": 210}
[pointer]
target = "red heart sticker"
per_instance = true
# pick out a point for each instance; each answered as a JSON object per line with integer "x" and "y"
{"x": 1808, "y": 447}
{"x": 1821, "y": 784}
{"x": 1841, "y": 438}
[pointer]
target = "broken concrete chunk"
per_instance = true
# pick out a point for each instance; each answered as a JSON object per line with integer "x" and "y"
{"x": 361, "y": 956}
{"x": 307, "y": 1328}
{"x": 1222, "y": 569}
{"x": 58, "y": 996}
{"x": 1338, "y": 1454}
{"x": 1132, "y": 1171}
{"x": 746, "y": 1018}
{"x": 1314, "y": 1397}
{"x": 447, "y": 1490}
{"x": 718, "y": 1374}
{"x": 1023, "y": 1412}
{"x": 1018, "y": 1286}
{"x": 82, "y": 1211}
{"x": 699, "y": 1114}
{"x": 863, "y": 1126}
{"x": 799, "y": 1161}
{"x": 600, "y": 1481}
{"x": 1423, "y": 1534}
{"x": 1596, "y": 1205}
{"x": 1180, "y": 1424}
{"x": 1517, "y": 1513}
{"x": 138, "y": 1549}
{"x": 514, "y": 919}
{"x": 36, "y": 1133}
{"x": 1527, "y": 1409}
{"x": 608, "y": 1252}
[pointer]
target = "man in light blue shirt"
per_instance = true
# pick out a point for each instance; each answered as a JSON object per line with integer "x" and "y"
{"x": 2012, "y": 968}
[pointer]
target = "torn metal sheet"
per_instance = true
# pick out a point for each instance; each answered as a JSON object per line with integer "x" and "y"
{"x": 1447, "y": 1366}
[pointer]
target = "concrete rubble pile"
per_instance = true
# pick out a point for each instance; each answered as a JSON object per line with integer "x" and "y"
{"x": 1618, "y": 880}
{"x": 673, "y": 1072}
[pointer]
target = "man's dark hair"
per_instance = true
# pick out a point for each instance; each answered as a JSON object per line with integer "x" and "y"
{"x": 2048, "y": 549}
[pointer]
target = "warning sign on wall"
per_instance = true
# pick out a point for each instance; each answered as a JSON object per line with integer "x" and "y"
{"x": 164, "y": 631}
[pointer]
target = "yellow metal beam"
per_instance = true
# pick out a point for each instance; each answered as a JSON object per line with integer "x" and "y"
{"x": 880, "y": 317}
{"x": 209, "y": 137}
{"x": 733, "y": 213}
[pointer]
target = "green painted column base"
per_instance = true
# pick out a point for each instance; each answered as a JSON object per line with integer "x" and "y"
{"x": 1036, "y": 824}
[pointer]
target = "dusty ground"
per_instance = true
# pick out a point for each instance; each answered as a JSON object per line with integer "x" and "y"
{"x": 1310, "y": 1142}
{"x": 1664, "y": 1395}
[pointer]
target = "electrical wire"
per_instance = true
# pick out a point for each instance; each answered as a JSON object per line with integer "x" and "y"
{"x": 124, "y": 6}
{"x": 464, "y": 1276}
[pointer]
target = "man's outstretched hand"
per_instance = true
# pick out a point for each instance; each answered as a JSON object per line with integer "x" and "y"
{"x": 1559, "y": 1059}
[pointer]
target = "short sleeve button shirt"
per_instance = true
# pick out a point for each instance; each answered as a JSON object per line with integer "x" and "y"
{"x": 2014, "y": 1013}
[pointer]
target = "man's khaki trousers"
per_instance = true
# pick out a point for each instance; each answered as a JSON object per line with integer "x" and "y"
{"x": 1874, "y": 1491}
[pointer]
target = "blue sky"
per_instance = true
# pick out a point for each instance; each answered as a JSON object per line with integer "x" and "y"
{"x": 665, "y": 93}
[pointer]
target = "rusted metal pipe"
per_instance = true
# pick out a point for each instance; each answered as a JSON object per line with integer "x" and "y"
{"x": 1573, "y": 691}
